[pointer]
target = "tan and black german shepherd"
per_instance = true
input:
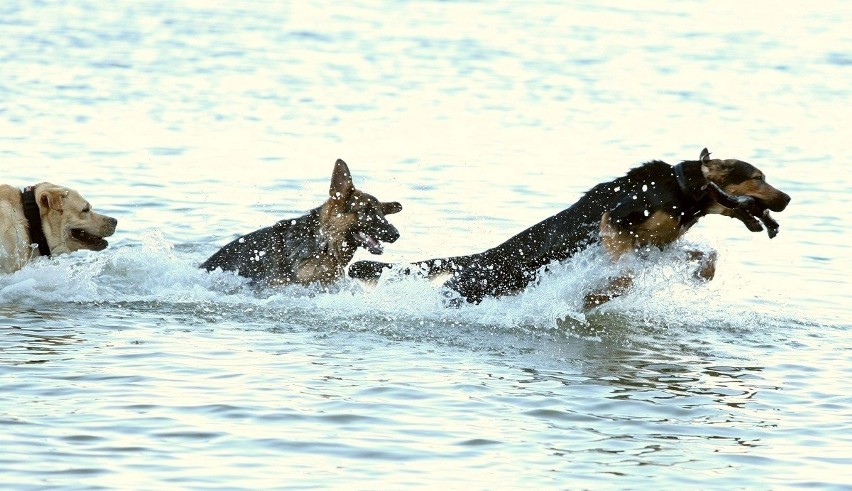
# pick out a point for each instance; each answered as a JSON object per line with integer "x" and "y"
{"x": 313, "y": 248}
{"x": 652, "y": 205}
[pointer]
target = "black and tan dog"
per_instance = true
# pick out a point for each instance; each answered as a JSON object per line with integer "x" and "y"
{"x": 313, "y": 248}
{"x": 652, "y": 205}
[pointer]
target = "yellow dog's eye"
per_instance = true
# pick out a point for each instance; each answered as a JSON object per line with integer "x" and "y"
{"x": 86, "y": 209}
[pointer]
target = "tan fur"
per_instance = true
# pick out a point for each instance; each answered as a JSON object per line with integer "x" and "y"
{"x": 328, "y": 268}
{"x": 659, "y": 229}
{"x": 62, "y": 210}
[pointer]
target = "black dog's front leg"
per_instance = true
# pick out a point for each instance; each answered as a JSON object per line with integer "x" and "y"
{"x": 368, "y": 270}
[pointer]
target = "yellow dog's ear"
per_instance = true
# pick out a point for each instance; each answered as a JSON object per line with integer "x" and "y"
{"x": 52, "y": 198}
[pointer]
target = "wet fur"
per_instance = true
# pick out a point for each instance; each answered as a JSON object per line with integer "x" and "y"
{"x": 64, "y": 213}
{"x": 315, "y": 247}
{"x": 645, "y": 207}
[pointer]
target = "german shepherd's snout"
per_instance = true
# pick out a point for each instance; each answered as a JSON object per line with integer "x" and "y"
{"x": 313, "y": 248}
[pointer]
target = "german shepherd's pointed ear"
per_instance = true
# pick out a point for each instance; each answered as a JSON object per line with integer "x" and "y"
{"x": 705, "y": 156}
{"x": 391, "y": 207}
{"x": 341, "y": 181}
{"x": 52, "y": 198}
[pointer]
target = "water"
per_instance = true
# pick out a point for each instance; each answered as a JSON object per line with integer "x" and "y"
{"x": 192, "y": 123}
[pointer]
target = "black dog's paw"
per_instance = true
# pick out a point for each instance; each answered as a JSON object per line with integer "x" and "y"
{"x": 367, "y": 270}
{"x": 452, "y": 299}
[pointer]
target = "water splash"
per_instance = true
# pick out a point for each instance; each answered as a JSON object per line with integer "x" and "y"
{"x": 664, "y": 294}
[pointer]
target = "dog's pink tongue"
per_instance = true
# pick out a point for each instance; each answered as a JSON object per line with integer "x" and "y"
{"x": 370, "y": 243}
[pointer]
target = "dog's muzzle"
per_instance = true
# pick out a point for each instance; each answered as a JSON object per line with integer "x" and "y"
{"x": 779, "y": 203}
{"x": 371, "y": 239}
{"x": 95, "y": 241}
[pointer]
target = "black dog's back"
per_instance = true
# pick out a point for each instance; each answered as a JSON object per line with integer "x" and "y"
{"x": 509, "y": 267}
{"x": 512, "y": 265}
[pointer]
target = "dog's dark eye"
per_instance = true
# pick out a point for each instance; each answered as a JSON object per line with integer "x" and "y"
{"x": 759, "y": 178}
{"x": 86, "y": 209}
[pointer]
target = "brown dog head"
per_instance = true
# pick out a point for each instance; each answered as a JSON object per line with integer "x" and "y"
{"x": 745, "y": 194}
{"x": 355, "y": 218}
{"x": 68, "y": 220}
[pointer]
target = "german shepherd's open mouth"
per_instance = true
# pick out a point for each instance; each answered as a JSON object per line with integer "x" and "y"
{"x": 375, "y": 230}
{"x": 370, "y": 243}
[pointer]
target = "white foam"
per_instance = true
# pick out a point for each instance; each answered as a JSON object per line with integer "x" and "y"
{"x": 664, "y": 292}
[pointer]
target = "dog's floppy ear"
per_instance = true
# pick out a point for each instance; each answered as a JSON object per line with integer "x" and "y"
{"x": 391, "y": 207}
{"x": 52, "y": 198}
{"x": 705, "y": 156}
{"x": 341, "y": 181}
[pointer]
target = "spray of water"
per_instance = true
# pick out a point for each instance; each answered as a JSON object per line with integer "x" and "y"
{"x": 664, "y": 294}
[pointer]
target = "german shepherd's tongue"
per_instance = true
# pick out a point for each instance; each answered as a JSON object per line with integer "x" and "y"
{"x": 369, "y": 242}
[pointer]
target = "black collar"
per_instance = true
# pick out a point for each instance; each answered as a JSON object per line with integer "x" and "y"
{"x": 33, "y": 216}
{"x": 691, "y": 180}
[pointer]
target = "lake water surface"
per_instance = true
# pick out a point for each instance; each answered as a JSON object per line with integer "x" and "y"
{"x": 195, "y": 122}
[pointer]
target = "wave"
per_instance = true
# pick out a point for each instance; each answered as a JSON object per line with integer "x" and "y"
{"x": 153, "y": 275}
